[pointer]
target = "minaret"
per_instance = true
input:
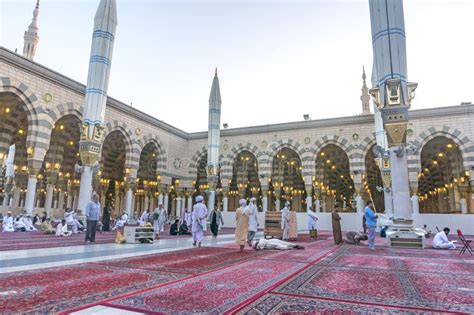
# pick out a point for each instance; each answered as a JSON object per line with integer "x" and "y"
{"x": 392, "y": 94}
{"x": 31, "y": 36}
{"x": 213, "y": 139}
{"x": 365, "y": 97}
{"x": 103, "y": 37}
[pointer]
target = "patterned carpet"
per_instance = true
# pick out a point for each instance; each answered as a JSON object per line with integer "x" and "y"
{"x": 323, "y": 278}
{"x": 190, "y": 261}
{"x": 50, "y": 290}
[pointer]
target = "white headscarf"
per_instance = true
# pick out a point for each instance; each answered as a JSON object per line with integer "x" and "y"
{"x": 242, "y": 202}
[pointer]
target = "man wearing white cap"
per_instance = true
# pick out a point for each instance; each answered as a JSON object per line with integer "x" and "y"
{"x": 8, "y": 223}
{"x": 285, "y": 221}
{"x": 252, "y": 213}
{"x": 198, "y": 219}
{"x": 242, "y": 224}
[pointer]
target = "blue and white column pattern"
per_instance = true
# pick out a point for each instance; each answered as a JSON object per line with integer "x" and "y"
{"x": 213, "y": 139}
{"x": 105, "y": 22}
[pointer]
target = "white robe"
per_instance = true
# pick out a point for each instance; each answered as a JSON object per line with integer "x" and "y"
{"x": 8, "y": 224}
{"x": 121, "y": 221}
{"x": 143, "y": 218}
{"x": 159, "y": 224}
{"x": 440, "y": 241}
{"x": 274, "y": 244}
{"x": 285, "y": 222}
{"x": 252, "y": 213}
{"x": 72, "y": 221}
{"x": 312, "y": 219}
{"x": 199, "y": 223}
{"x": 28, "y": 224}
{"x": 18, "y": 225}
{"x": 61, "y": 230}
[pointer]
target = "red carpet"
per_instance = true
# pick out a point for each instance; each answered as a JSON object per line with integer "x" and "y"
{"x": 190, "y": 261}
{"x": 50, "y": 290}
{"x": 380, "y": 278}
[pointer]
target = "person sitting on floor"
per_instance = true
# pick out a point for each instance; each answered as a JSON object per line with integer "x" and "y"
{"x": 18, "y": 225}
{"x": 440, "y": 241}
{"x": 46, "y": 227}
{"x": 120, "y": 221}
{"x": 36, "y": 220}
{"x": 174, "y": 230}
{"x": 274, "y": 244}
{"x": 8, "y": 223}
{"x": 354, "y": 238}
{"x": 183, "y": 229}
{"x": 71, "y": 221}
{"x": 61, "y": 229}
{"x": 28, "y": 223}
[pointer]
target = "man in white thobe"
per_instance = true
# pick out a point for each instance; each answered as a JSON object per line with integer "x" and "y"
{"x": 143, "y": 218}
{"x": 198, "y": 218}
{"x": 61, "y": 229}
{"x": 28, "y": 223}
{"x": 252, "y": 212}
{"x": 285, "y": 221}
{"x": 159, "y": 219}
{"x": 8, "y": 223}
{"x": 18, "y": 224}
{"x": 274, "y": 244}
{"x": 312, "y": 219}
{"x": 71, "y": 221}
{"x": 440, "y": 241}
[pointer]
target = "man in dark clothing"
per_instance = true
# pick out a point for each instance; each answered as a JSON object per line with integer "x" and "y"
{"x": 183, "y": 229}
{"x": 174, "y": 228}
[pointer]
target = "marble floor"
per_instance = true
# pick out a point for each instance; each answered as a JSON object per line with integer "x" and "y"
{"x": 29, "y": 259}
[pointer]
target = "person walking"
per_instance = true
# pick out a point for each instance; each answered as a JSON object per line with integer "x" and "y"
{"x": 106, "y": 218}
{"x": 215, "y": 218}
{"x": 92, "y": 216}
{"x": 242, "y": 224}
{"x": 336, "y": 226}
{"x": 252, "y": 212}
{"x": 371, "y": 222}
{"x": 285, "y": 221}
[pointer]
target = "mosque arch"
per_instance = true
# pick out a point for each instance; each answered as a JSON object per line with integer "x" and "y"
{"x": 227, "y": 161}
{"x": 333, "y": 178}
{"x": 132, "y": 147}
{"x": 65, "y": 109}
{"x": 161, "y": 160}
{"x": 147, "y": 181}
{"x": 443, "y": 180}
{"x": 286, "y": 183}
{"x": 193, "y": 165}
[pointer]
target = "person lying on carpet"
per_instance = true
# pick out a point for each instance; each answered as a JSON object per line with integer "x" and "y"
{"x": 274, "y": 244}
{"x": 440, "y": 241}
{"x": 61, "y": 229}
{"x": 354, "y": 238}
{"x": 46, "y": 227}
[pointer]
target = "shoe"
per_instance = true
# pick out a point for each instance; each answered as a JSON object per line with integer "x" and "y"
{"x": 194, "y": 244}
{"x": 372, "y": 248}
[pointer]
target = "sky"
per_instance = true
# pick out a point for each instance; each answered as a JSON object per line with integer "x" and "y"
{"x": 277, "y": 59}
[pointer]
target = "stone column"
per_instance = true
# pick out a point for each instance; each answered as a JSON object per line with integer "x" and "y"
{"x": 147, "y": 202}
{"x": 130, "y": 185}
{"x": 15, "y": 202}
{"x": 165, "y": 201}
{"x": 31, "y": 190}
{"x": 415, "y": 204}
{"x": 190, "y": 203}
{"x": 265, "y": 200}
{"x": 49, "y": 198}
{"x": 463, "y": 204}
{"x": 60, "y": 204}
{"x": 178, "y": 206}
{"x": 160, "y": 197}
{"x": 309, "y": 197}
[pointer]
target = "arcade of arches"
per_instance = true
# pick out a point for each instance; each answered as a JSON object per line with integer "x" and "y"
{"x": 443, "y": 184}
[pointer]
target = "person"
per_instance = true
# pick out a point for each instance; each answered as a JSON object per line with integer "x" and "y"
{"x": 215, "y": 217}
{"x": 159, "y": 219}
{"x": 183, "y": 229}
{"x": 285, "y": 221}
{"x": 199, "y": 216}
{"x": 106, "y": 218}
{"x": 336, "y": 226}
{"x": 371, "y": 221}
{"x": 274, "y": 244}
{"x": 92, "y": 216}
{"x": 241, "y": 225}
{"x": 364, "y": 224}
{"x": 441, "y": 241}
{"x": 8, "y": 223}
{"x": 28, "y": 223}
{"x": 252, "y": 212}
{"x": 18, "y": 224}
{"x": 71, "y": 221}
{"x": 122, "y": 220}
{"x": 36, "y": 220}
{"x": 312, "y": 219}
{"x": 144, "y": 217}
{"x": 174, "y": 230}
{"x": 383, "y": 231}
{"x": 61, "y": 229}
{"x": 354, "y": 238}
{"x": 46, "y": 227}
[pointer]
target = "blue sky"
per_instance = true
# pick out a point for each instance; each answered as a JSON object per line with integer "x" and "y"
{"x": 277, "y": 60}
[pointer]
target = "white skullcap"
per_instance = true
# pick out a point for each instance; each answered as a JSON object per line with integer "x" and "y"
{"x": 242, "y": 202}
{"x": 287, "y": 203}
{"x": 199, "y": 198}
{"x": 253, "y": 199}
